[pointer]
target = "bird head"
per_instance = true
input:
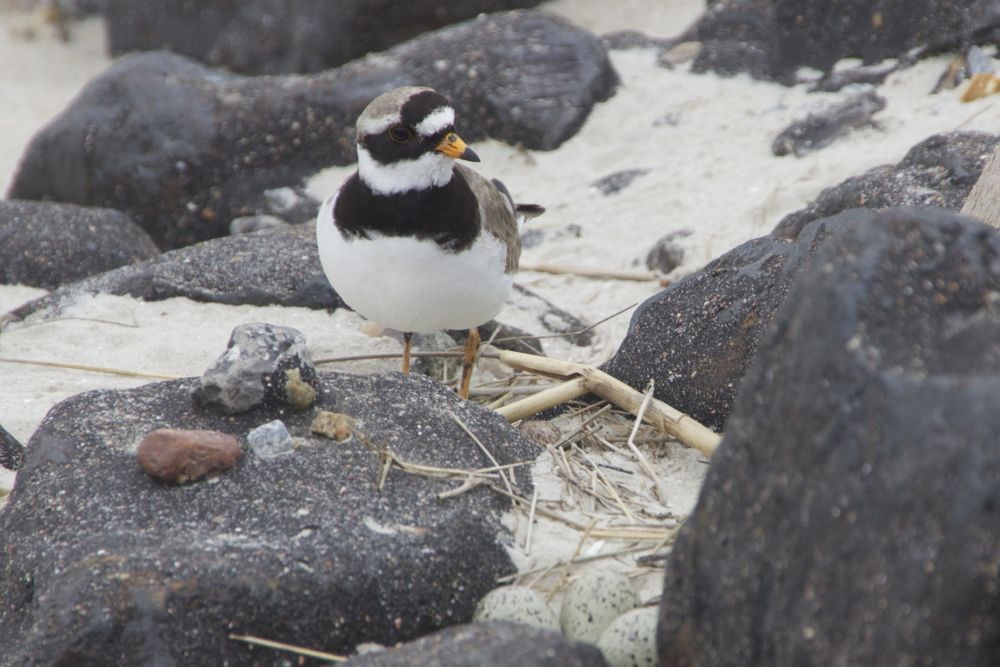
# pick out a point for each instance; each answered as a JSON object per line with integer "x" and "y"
{"x": 407, "y": 141}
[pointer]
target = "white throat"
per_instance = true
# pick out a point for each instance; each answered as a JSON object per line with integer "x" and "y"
{"x": 427, "y": 171}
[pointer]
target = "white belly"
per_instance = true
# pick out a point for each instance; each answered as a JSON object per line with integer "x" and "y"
{"x": 413, "y": 285}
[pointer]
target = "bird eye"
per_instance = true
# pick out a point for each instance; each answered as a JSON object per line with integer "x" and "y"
{"x": 400, "y": 134}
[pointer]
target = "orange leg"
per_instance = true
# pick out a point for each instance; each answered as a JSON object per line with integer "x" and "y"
{"x": 469, "y": 360}
{"x": 407, "y": 341}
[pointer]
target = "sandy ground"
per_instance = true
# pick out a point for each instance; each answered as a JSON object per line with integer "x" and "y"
{"x": 705, "y": 139}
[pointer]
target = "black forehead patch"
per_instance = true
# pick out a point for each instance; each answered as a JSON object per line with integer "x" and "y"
{"x": 421, "y": 105}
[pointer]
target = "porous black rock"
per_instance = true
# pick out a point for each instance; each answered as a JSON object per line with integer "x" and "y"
{"x": 667, "y": 254}
{"x": 45, "y": 244}
{"x": 697, "y": 337}
{"x": 262, "y": 268}
{"x": 823, "y": 127}
{"x": 771, "y": 39}
{"x": 497, "y": 643}
{"x": 260, "y": 363}
{"x": 617, "y": 181}
{"x": 184, "y": 149}
{"x": 103, "y": 565}
{"x": 850, "y": 514}
{"x": 939, "y": 171}
{"x": 275, "y": 37}
{"x": 11, "y": 451}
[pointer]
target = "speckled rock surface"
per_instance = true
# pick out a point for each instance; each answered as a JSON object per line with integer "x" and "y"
{"x": 771, "y": 39}
{"x": 496, "y": 644}
{"x": 939, "y": 171}
{"x": 11, "y": 451}
{"x": 45, "y": 244}
{"x": 269, "y": 267}
{"x": 273, "y": 36}
{"x": 697, "y": 337}
{"x": 851, "y": 514}
{"x": 104, "y": 565}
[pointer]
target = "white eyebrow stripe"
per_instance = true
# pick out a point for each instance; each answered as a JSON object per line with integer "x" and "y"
{"x": 379, "y": 125}
{"x": 436, "y": 121}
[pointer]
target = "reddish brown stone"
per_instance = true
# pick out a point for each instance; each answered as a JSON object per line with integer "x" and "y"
{"x": 175, "y": 456}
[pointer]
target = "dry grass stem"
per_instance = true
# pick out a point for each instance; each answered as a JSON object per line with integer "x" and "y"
{"x": 399, "y": 355}
{"x": 587, "y": 378}
{"x": 531, "y": 521}
{"x": 309, "y": 653}
{"x": 583, "y": 425}
{"x": 548, "y": 398}
{"x": 600, "y": 274}
{"x": 469, "y": 484}
{"x": 643, "y": 462}
{"x": 564, "y": 577}
{"x": 609, "y": 486}
{"x": 506, "y": 392}
{"x": 578, "y": 332}
{"x": 545, "y": 570}
{"x": 485, "y": 450}
{"x": 89, "y": 369}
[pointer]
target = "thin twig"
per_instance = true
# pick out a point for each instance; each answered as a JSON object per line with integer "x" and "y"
{"x": 643, "y": 462}
{"x": 572, "y": 559}
{"x": 486, "y": 451}
{"x": 609, "y": 486}
{"x": 583, "y": 425}
{"x": 531, "y": 521}
{"x": 584, "y": 559}
{"x": 468, "y": 485}
{"x": 250, "y": 639}
{"x": 586, "y": 378}
{"x": 567, "y": 334}
{"x": 89, "y": 369}
{"x": 600, "y": 274}
{"x": 398, "y": 355}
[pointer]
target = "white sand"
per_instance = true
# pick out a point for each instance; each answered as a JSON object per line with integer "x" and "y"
{"x": 706, "y": 139}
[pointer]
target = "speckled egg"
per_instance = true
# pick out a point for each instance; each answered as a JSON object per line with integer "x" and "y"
{"x": 630, "y": 640}
{"x": 517, "y": 604}
{"x": 593, "y": 601}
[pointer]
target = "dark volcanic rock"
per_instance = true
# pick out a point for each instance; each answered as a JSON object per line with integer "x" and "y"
{"x": 44, "y": 244}
{"x": 269, "y": 267}
{"x": 824, "y": 127}
{"x": 667, "y": 254}
{"x": 102, "y": 565}
{"x": 497, "y": 644}
{"x": 773, "y": 38}
{"x": 184, "y": 149}
{"x": 618, "y": 181}
{"x": 850, "y": 515}
{"x": 939, "y": 171}
{"x": 697, "y": 337}
{"x": 264, "y": 364}
{"x": 275, "y": 37}
{"x": 11, "y": 451}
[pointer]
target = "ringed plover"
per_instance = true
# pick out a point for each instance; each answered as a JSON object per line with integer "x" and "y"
{"x": 414, "y": 240}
